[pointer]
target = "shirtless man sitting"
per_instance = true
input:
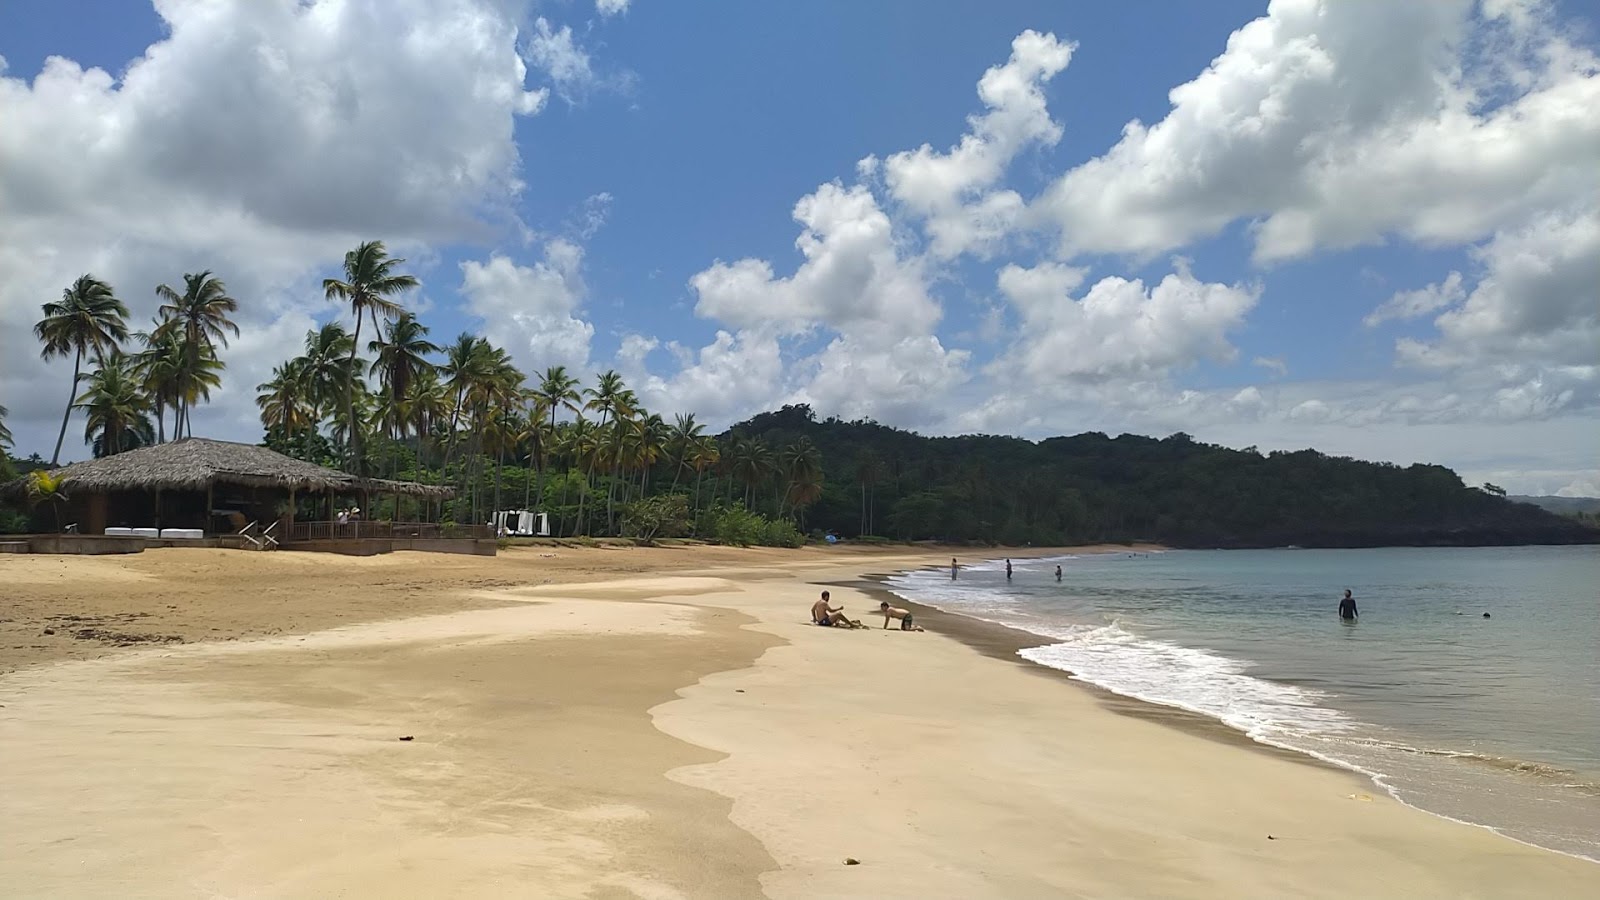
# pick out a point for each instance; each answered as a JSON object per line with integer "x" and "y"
{"x": 831, "y": 616}
{"x": 895, "y": 612}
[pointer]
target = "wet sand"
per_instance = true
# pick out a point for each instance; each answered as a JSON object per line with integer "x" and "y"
{"x": 678, "y": 730}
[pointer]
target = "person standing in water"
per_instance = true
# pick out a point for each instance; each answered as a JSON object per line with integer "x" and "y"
{"x": 953, "y": 568}
{"x": 1347, "y": 607}
{"x": 1058, "y": 573}
{"x": 1008, "y": 570}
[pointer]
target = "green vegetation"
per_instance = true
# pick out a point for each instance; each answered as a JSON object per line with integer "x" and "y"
{"x": 601, "y": 465}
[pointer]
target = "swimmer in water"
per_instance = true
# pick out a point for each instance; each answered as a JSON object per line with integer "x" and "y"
{"x": 1347, "y": 608}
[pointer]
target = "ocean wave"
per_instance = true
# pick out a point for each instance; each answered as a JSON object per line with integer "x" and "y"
{"x": 1201, "y": 681}
{"x": 1556, "y": 775}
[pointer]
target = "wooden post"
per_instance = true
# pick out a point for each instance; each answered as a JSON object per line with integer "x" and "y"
{"x": 158, "y": 510}
{"x": 211, "y": 487}
{"x": 290, "y": 532}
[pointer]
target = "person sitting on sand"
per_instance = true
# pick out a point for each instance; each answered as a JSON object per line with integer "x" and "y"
{"x": 895, "y": 612}
{"x": 831, "y": 616}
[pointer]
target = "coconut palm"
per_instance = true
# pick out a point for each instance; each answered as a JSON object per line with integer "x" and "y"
{"x": 283, "y": 400}
{"x": 606, "y": 398}
{"x": 398, "y": 357}
{"x": 800, "y": 466}
{"x": 686, "y": 433}
{"x": 159, "y": 365}
{"x": 466, "y": 364}
{"x": 44, "y": 487}
{"x": 198, "y": 372}
{"x": 401, "y": 354}
{"x": 118, "y": 411}
{"x": 703, "y": 455}
{"x": 326, "y": 367}
{"x": 868, "y": 470}
{"x": 428, "y": 403}
{"x": 557, "y": 390}
{"x": 198, "y": 318}
{"x": 88, "y": 318}
{"x": 369, "y": 282}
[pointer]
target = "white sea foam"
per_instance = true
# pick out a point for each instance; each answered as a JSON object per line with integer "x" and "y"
{"x": 1077, "y": 636}
{"x": 1197, "y": 680}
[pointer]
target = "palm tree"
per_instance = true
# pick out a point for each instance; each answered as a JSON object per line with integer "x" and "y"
{"x": 369, "y": 282}
{"x": 704, "y": 454}
{"x": 538, "y": 436}
{"x": 87, "y": 318}
{"x": 159, "y": 366}
{"x": 283, "y": 401}
{"x": 604, "y": 398}
{"x": 199, "y": 372}
{"x": 5, "y": 433}
{"x": 198, "y": 317}
{"x": 118, "y": 411}
{"x": 44, "y": 487}
{"x": 426, "y": 399}
{"x": 466, "y": 363}
{"x": 868, "y": 470}
{"x": 686, "y": 433}
{"x": 801, "y": 465}
{"x": 399, "y": 357}
{"x": 557, "y": 390}
{"x": 326, "y": 367}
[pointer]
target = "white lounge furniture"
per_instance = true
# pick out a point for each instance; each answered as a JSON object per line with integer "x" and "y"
{"x": 182, "y": 534}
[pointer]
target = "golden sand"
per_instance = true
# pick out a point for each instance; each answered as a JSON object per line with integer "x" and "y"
{"x": 628, "y": 723}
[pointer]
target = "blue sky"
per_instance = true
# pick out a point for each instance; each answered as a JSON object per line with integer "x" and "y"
{"x": 1201, "y": 217}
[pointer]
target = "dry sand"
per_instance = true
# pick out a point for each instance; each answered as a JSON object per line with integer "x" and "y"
{"x": 674, "y": 731}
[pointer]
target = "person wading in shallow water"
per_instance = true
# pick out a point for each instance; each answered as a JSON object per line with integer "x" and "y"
{"x": 1008, "y": 570}
{"x": 1347, "y": 608}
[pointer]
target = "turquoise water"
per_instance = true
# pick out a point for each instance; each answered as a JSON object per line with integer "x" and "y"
{"x": 1492, "y": 721}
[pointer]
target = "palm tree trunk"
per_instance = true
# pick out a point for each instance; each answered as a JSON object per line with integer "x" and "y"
{"x": 77, "y": 369}
{"x": 352, "y": 433}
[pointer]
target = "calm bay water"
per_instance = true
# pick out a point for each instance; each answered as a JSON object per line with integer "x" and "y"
{"x": 1492, "y": 721}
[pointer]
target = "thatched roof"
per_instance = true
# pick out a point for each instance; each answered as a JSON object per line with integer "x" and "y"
{"x": 195, "y": 463}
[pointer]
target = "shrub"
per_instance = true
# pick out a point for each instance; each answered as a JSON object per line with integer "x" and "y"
{"x": 739, "y": 527}
{"x": 663, "y": 516}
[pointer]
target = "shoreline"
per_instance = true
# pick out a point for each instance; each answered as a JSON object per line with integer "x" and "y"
{"x": 1004, "y": 642}
{"x": 655, "y": 724}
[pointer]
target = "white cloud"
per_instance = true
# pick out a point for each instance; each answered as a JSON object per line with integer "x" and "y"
{"x": 555, "y": 52}
{"x": 1120, "y": 328}
{"x": 1536, "y": 303}
{"x": 609, "y": 8}
{"x": 1338, "y": 123}
{"x": 532, "y": 310}
{"x": 909, "y": 382}
{"x": 260, "y": 140}
{"x": 1420, "y": 302}
{"x": 1274, "y": 364}
{"x": 854, "y": 277}
{"x": 735, "y": 376}
{"x": 951, "y": 190}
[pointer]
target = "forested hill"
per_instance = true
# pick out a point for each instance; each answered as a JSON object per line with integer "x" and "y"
{"x": 1176, "y": 491}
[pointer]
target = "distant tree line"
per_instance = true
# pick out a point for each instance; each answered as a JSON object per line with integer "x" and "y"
{"x": 600, "y": 463}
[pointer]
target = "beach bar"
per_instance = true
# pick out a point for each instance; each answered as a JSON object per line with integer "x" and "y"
{"x": 199, "y": 491}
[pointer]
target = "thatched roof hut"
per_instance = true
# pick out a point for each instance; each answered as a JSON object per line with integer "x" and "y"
{"x": 195, "y": 464}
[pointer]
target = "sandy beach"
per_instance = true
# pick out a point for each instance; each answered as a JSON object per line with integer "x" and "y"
{"x": 628, "y": 722}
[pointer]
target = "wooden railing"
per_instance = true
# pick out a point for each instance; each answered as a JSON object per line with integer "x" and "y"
{"x": 330, "y": 531}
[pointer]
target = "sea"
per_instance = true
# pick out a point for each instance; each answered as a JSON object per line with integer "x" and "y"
{"x": 1492, "y": 720}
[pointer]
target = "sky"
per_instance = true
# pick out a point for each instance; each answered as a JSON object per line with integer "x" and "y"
{"x": 1368, "y": 228}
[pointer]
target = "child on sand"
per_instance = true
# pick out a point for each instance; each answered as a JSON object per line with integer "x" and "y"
{"x": 895, "y": 612}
